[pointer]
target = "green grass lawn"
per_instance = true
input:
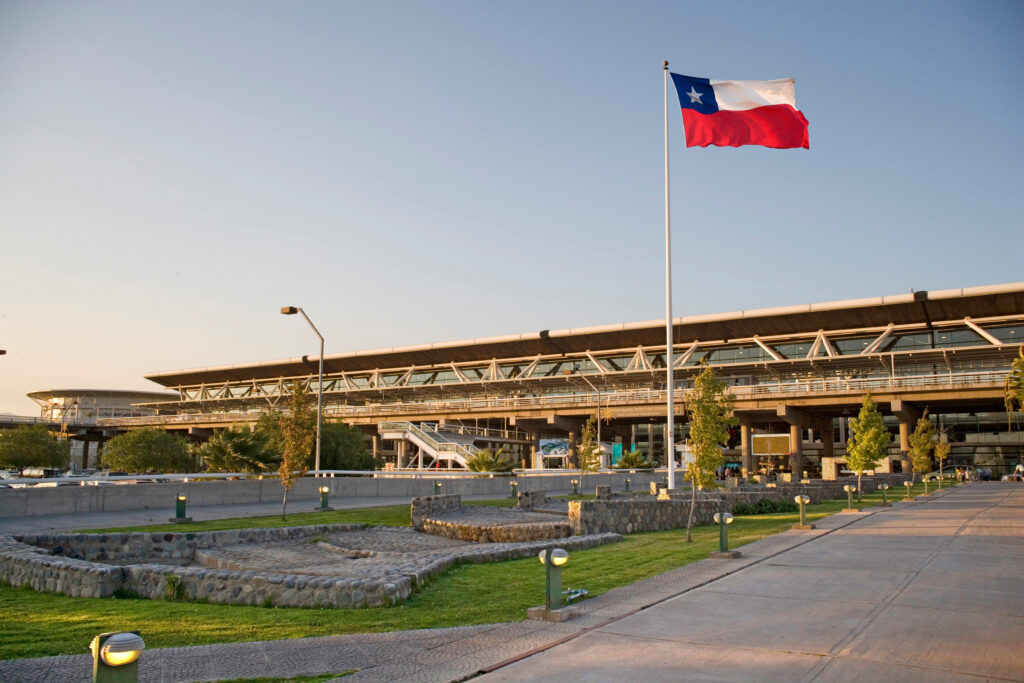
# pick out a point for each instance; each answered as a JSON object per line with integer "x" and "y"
{"x": 41, "y": 624}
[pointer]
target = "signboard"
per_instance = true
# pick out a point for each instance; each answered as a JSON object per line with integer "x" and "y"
{"x": 769, "y": 444}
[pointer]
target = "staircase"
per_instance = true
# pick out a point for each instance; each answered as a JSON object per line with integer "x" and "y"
{"x": 432, "y": 441}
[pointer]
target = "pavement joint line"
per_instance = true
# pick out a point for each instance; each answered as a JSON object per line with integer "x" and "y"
{"x": 808, "y": 538}
{"x": 842, "y": 648}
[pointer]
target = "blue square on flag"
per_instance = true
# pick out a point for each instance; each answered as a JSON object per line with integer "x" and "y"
{"x": 695, "y": 93}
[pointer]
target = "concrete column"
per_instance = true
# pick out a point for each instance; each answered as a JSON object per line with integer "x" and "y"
{"x": 746, "y": 451}
{"x": 796, "y": 450}
{"x": 85, "y": 454}
{"x": 400, "y": 453}
{"x": 828, "y": 440}
{"x": 908, "y": 416}
{"x": 573, "y": 462}
{"x": 374, "y": 445}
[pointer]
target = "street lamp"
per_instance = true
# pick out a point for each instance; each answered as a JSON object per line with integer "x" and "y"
{"x": 292, "y": 310}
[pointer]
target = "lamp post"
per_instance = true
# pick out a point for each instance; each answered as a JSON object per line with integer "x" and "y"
{"x": 115, "y": 657}
{"x": 292, "y": 310}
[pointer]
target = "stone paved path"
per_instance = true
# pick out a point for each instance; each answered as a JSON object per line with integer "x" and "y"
{"x": 923, "y": 591}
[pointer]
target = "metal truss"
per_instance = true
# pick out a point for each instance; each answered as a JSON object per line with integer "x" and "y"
{"x": 919, "y": 349}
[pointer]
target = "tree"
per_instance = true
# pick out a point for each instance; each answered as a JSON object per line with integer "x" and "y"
{"x": 32, "y": 446}
{"x": 588, "y": 450}
{"x": 941, "y": 452}
{"x": 634, "y": 460}
{"x": 868, "y": 441}
{"x": 1013, "y": 387}
{"x": 485, "y": 461}
{"x": 922, "y": 443}
{"x": 342, "y": 447}
{"x": 298, "y": 433}
{"x": 709, "y": 405}
{"x": 238, "y": 449}
{"x": 268, "y": 428}
{"x": 148, "y": 450}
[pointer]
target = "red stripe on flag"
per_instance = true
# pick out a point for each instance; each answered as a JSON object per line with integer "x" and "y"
{"x": 779, "y": 125}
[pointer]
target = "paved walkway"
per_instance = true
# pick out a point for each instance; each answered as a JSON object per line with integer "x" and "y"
{"x": 923, "y": 591}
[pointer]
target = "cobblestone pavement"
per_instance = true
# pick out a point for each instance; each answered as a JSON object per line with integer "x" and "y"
{"x": 455, "y": 654}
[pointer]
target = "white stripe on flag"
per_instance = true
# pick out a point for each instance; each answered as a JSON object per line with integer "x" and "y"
{"x": 740, "y": 95}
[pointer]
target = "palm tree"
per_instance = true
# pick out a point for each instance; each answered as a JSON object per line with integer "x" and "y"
{"x": 485, "y": 461}
{"x": 238, "y": 449}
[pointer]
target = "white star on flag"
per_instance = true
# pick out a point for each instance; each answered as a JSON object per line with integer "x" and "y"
{"x": 694, "y": 95}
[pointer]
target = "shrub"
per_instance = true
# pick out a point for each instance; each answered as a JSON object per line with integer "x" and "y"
{"x": 764, "y": 506}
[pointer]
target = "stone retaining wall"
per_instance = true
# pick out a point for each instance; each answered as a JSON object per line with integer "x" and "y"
{"x": 430, "y": 506}
{"x": 497, "y": 533}
{"x": 42, "y": 562}
{"x": 528, "y": 500}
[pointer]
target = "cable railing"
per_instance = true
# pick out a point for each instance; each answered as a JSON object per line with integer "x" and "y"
{"x": 991, "y": 379}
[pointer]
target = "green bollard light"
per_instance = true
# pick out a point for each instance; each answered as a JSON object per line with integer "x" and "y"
{"x": 575, "y": 487}
{"x": 925, "y": 485}
{"x": 553, "y": 560}
{"x": 179, "y": 509}
{"x": 884, "y": 488}
{"x": 514, "y": 487}
{"x": 909, "y": 485}
{"x": 723, "y": 520}
{"x": 437, "y": 487}
{"x": 324, "y": 492}
{"x": 627, "y": 484}
{"x": 115, "y": 657}
{"x": 849, "y": 495}
{"x": 802, "y": 501}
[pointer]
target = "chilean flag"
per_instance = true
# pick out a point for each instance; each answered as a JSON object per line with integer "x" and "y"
{"x": 734, "y": 113}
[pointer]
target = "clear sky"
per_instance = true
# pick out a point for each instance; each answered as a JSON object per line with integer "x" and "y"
{"x": 171, "y": 173}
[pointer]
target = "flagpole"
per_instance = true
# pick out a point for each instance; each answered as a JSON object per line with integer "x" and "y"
{"x": 669, "y": 370}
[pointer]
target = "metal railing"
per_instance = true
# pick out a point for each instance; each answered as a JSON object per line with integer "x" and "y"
{"x": 816, "y": 386}
{"x": 432, "y": 440}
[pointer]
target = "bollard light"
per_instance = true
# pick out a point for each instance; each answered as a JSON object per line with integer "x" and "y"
{"x": 115, "y": 657}
{"x": 575, "y": 486}
{"x": 514, "y": 486}
{"x": 324, "y": 491}
{"x": 802, "y": 501}
{"x": 180, "y": 502}
{"x": 437, "y": 487}
{"x": 723, "y": 520}
{"x": 908, "y": 484}
{"x": 553, "y": 560}
{"x": 925, "y": 485}
{"x": 627, "y": 484}
{"x": 849, "y": 495}
{"x": 884, "y": 487}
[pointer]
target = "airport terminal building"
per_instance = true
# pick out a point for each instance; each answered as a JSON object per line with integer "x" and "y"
{"x": 797, "y": 372}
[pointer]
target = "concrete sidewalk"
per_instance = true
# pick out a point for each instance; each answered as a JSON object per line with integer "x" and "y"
{"x": 923, "y": 591}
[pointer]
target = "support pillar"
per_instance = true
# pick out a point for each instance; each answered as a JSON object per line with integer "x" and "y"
{"x": 908, "y": 416}
{"x": 85, "y": 454}
{"x": 400, "y": 453}
{"x": 573, "y": 462}
{"x": 746, "y": 451}
{"x": 796, "y": 450}
{"x": 374, "y": 445}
